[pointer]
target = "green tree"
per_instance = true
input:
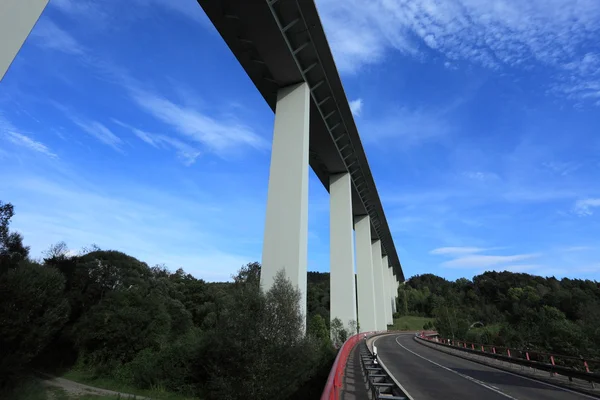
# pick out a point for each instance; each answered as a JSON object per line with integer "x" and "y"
{"x": 12, "y": 250}
{"x": 259, "y": 338}
{"x": 317, "y": 328}
{"x": 32, "y": 310}
{"x": 339, "y": 333}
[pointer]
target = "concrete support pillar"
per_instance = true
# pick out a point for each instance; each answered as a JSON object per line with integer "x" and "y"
{"x": 367, "y": 318}
{"x": 394, "y": 288}
{"x": 380, "y": 303}
{"x": 341, "y": 250}
{"x": 17, "y": 18}
{"x": 285, "y": 245}
{"x": 387, "y": 291}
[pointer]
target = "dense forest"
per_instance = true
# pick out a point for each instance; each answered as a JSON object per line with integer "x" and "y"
{"x": 109, "y": 313}
{"x": 510, "y": 309}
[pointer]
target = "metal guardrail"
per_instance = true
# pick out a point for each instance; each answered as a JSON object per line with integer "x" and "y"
{"x": 380, "y": 384}
{"x": 336, "y": 375}
{"x": 381, "y": 387}
{"x": 516, "y": 357}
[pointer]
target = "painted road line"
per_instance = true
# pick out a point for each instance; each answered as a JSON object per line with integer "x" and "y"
{"x": 392, "y": 376}
{"x": 517, "y": 375}
{"x": 476, "y": 381}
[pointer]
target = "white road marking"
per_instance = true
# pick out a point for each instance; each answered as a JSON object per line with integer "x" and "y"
{"x": 531, "y": 379}
{"x": 392, "y": 376}
{"x": 476, "y": 381}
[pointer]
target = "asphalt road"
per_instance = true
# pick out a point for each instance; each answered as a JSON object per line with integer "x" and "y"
{"x": 428, "y": 374}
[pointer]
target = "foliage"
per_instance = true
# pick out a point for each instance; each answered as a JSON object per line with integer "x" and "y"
{"x": 12, "y": 250}
{"x": 124, "y": 323}
{"x": 262, "y": 350}
{"x": 317, "y": 296}
{"x": 339, "y": 334}
{"x": 510, "y": 309}
{"x": 318, "y": 328}
{"x": 32, "y": 310}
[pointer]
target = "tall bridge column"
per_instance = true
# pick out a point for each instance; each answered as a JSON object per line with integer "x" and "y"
{"x": 17, "y": 18}
{"x": 341, "y": 250}
{"x": 367, "y": 317}
{"x": 380, "y": 303}
{"x": 387, "y": 292}
{"x": 285, "y": 245}
{"x": 394, "y": 289}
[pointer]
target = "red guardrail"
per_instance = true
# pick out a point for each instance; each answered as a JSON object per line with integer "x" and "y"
{"x": 578, "y": 363}
{"x": 336, "y": 375}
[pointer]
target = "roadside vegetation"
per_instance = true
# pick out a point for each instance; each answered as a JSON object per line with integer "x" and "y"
{"x": 510, "y": 309}
{"x": 107, "y": 319}
{"x": 409, "y": 323}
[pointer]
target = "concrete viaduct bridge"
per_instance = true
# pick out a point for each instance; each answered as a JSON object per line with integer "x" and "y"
{"x": 282, "y": 47}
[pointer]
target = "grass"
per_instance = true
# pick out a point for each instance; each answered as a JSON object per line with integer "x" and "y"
{"x": 55, "y": 393}
{"x": 409, "y": 323}
{"x": 88, "y": 378}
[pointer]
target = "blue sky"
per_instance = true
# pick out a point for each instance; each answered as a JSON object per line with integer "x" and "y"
{"x": 132, "y": 126}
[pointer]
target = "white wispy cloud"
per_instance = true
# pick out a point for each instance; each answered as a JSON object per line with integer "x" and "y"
{"x": 99, "y": 131}
{"x": 356, "y": 106}
{"x": 187, "y": 153}
{"x": 494, "y": 34}
{"x": 484, "y": 261}
{"x": 585, "y": 207}
{"x": 49, "y": 35}
{"x": 456, "y": 250}
{"x": 26, "y": 141}
{"x": 10, "y": 132}
{"x": 222, "y": 134}
{"x": 509, "y": 32}
{"x": 218, "y": 136}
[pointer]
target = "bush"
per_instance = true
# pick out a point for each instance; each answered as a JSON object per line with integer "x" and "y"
{"x": 428, "y": 325}
{"x": 172, "y": 367}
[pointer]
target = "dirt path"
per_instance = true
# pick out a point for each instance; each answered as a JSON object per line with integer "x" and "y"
{"x": 75, "y": 388}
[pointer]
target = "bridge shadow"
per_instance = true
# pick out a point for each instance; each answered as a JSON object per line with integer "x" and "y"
{"x": 355, "y": 386}
{"x": 503, "y": 378}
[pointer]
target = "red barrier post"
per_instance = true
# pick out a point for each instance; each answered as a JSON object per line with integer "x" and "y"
{"x": 482, "y": 349}
{"x": 508, "y": 351}
{"x": 472, "y": 346}
{"x": 494, "y": 350}
{"x": 527, "y": 356}
{"x": 585, "y": 364}
{"x": 552, "y": 361}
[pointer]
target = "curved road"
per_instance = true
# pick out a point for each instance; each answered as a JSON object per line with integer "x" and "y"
{"x": 428, "y": 374}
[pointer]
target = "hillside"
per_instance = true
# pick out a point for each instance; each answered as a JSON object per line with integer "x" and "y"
{"x": 511, "y": 309}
